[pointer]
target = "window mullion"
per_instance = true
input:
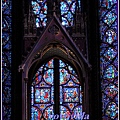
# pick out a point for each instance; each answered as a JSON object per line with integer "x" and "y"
{"x": 56, "y": 86}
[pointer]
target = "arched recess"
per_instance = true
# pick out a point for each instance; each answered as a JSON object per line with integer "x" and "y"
{"x": 54, "y": 50}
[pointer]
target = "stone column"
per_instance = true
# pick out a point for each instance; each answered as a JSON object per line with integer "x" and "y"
{"x": 26, "y": 98}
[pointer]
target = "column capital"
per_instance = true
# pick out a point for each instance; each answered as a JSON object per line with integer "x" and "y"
{"x": 26, "y": 80}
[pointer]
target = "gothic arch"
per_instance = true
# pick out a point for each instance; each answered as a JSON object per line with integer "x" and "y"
{"x": 59, "y": 51}
{"x": 54, "y": 42}
{"x": 55, "y": 55}
{"x": 53, "y": 50}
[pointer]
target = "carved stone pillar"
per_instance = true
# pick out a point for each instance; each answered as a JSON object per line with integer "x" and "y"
{"x": 26, "y": 98}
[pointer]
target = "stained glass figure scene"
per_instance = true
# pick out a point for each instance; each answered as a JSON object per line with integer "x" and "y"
{"x": 109, "y": 58}
{"x": 40, "y": 9}
{"x": 42, "y": 95}
{"x": 42, "y": 92}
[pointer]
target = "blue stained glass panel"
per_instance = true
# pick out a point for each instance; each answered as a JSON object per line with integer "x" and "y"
{"x": 110, "y": 53}
{"x": 109, "y": 58}
{"x": 50, "y": 64}
{"x": 5, "y": 38}
{"x": 110, "y": 36}
{"x": 112, "y": 110}
{"x": 48, "y": 114}
{"x": 42, "y": 95}
{"x": 40, "y": 10}
{"x": 48, "y": 76}
{"x": 110, "y": 18}
{"x": 64, "y": 113}
{"x": 108, "y": 3}
{"x": 6, "y": 95}
{"x": 6, "y": 58}
{"x": 71, "y": 94}
{"x": 62, "y": 64}
{"x": 67, "y": 8}
{"x": 110, "y": 72}
{"x": 36, "y": 113}
{"x": 6, "y": 112}
{"x": 78, "y": 113}
{"x": 6, "y": 7}
{"x": 111, "y": 90}
{"x": 70, "y": 91}
{"x": 42, "y": 91}
{"x": 64, "y": 76}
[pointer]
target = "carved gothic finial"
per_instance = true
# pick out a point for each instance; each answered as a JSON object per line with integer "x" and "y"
{"x": 30, "y": 23}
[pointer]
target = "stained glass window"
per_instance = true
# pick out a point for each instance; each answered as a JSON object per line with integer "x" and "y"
{"x": 109, "y": 58}
{"x": 68, "y": 8}
{"x": 6, "y": 59}
{"x": 40, "y": 10}
{"x": 42, "y": 92}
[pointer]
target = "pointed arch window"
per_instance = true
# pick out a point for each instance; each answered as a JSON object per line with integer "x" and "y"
{"x": 68, "y": 8}
{"x": 40, "y": 9}
{"x": 55, "y": 76}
